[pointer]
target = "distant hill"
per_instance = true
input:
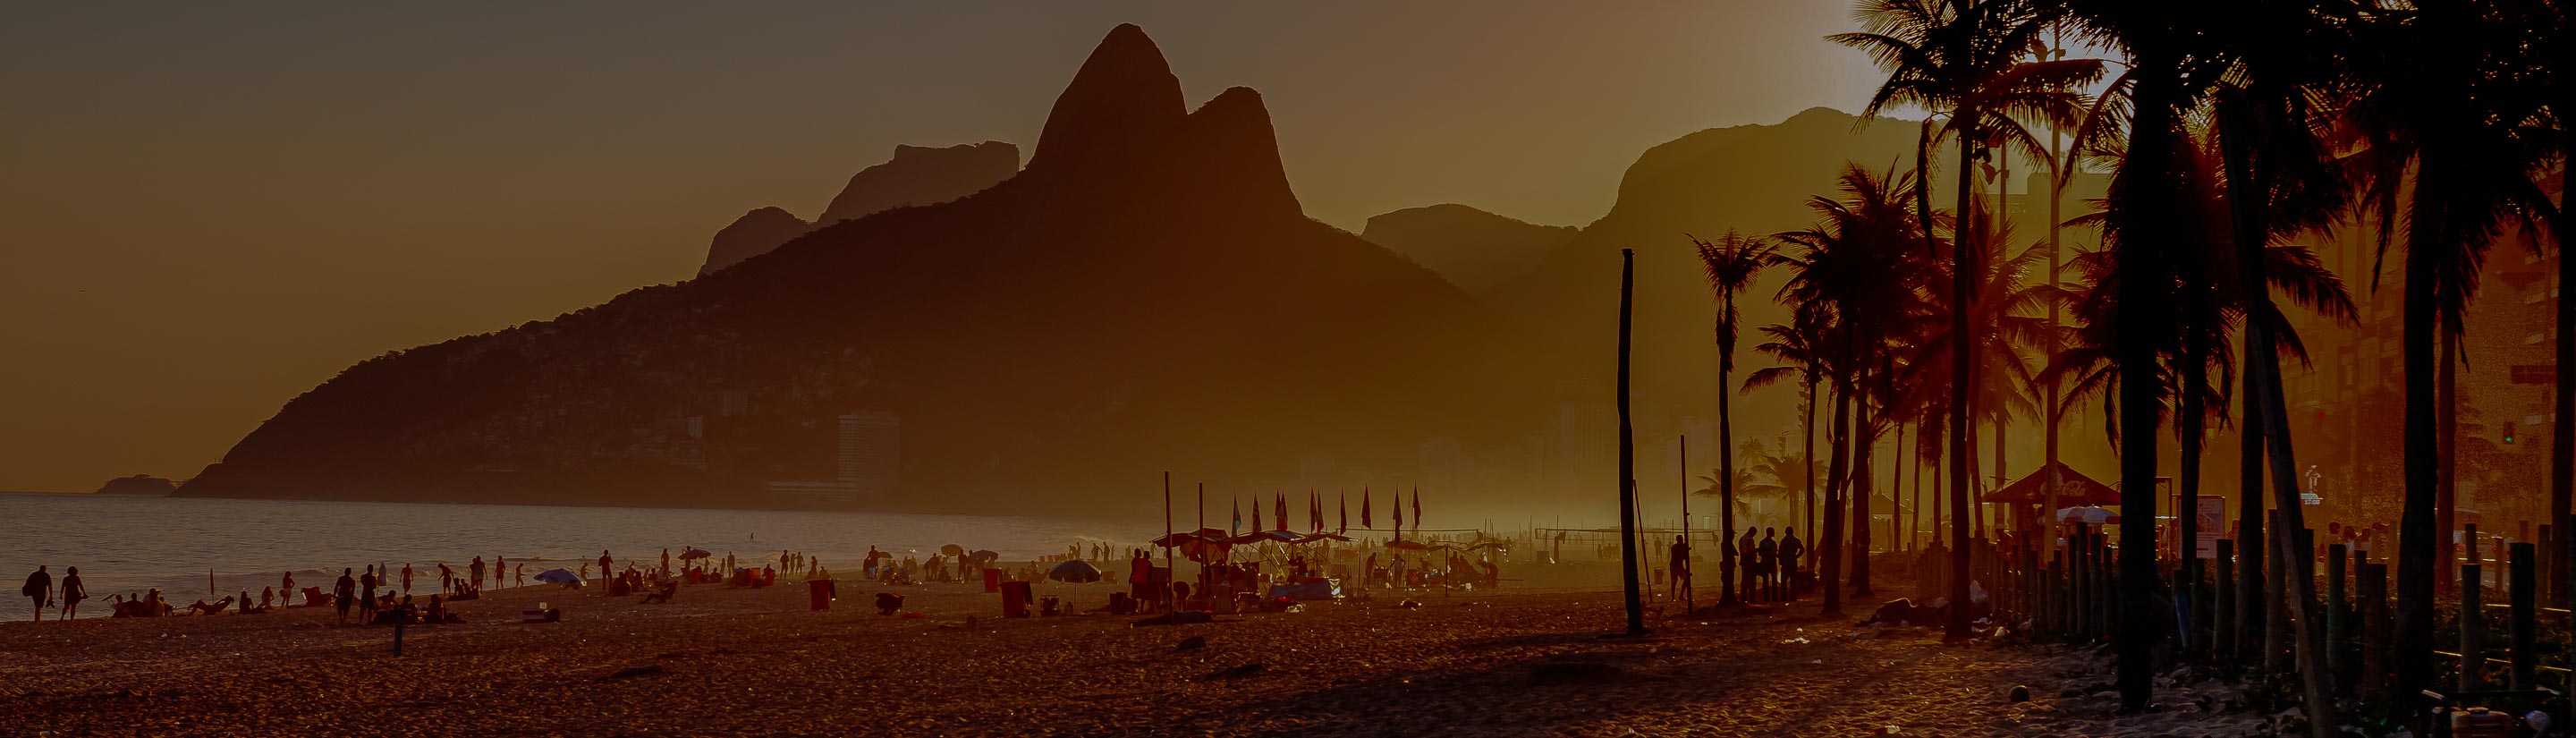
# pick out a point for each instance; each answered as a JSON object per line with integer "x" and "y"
{"x": 1474, "y": 249}
{"x": 1147, "y": 295}
{"x": 1751, "y": 178}
{"x": 917, "y": 175}
{"x": 143, "y": 485}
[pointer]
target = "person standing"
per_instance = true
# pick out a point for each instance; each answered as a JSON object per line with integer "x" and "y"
{"x": 40, "y": 587}
{"x": 367, "y": 595}
{"x": 606, "y": 571}
{"x": 1790, "y": 550}
{"x": 73, "y": 592}
{"x": 286, "y": 585}
{"x": 343, "y": 594}
{"x": 1748, "y": 551}
{"x": 1680, "y": 563}
{"x": 474, "y": 571}
{"x": 666, "y": 559}
{"x": 519, "y": 575}
{"x": 500, "y": 571}
{"x": 406, "y": 577}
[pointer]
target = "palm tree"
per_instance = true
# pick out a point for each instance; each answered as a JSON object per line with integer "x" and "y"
{"x": 1730, "y": 263}
{"x": 2451, "y": 114}
{"x": 1799, "y": 348}
{"x": 1851, "y": 274}
{"x": 1962, "y": 61}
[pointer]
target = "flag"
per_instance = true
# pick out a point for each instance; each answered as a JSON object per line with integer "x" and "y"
{"x": 1237, "y": 526}
{"x": 1282, "y": 511}
{"x": 1417, "y": 509}
{"x": 1396, "y": 508}
{"x": 1256, "y": 513}
{"x": 1364, "y": 510}
{"x": 1314, "y": 511}
{"x": 1346, "y": 511}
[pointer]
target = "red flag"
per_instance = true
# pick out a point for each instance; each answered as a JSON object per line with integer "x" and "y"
{"x": 1256, "y": 512}
{"x": 1396, "y": 508}
{"x": 1364, "y": 510}
{"x": 1417, "y": 508}
{"x": 1314, "y": 511}
{"x": 1281, "y": 511}
{"x": 1346, "y": 511}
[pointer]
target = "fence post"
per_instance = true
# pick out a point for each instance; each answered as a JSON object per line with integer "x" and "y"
{"x": 2374, "y": 626}
{"x": 2473, "y": 627}
{"x": 2336, "y": 600}
{"x": 2526, "y": 653}
{"x": 2223, "y": 645}
{"x": 2105, "y": 587}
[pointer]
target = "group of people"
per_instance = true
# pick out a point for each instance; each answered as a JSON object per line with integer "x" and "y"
{"x": 40, "y": 587}
{"x": 1767, "y": 570}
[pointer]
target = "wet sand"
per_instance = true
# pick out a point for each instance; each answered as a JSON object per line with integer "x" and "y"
{"x": 758, "y": 662}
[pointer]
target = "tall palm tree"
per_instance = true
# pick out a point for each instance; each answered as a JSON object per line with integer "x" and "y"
{"x": 1962, "y": 61}
{"x": 1730, "y": 263}
{"x": 1799, "y": 348}
{"x": 1850, "y": 272}
{"x": 2451, "y": 114}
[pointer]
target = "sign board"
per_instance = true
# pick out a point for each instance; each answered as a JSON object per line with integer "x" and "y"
{"x": 2535, "y": 373}
{"x": 2212, "y": 526}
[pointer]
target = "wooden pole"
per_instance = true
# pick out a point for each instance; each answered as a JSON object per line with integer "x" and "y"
{"x": 1166, "y": 595}
{"x": 2222, "y": 626}
{"x": 1627, "y": 451}
{"x": 2337, "y": 618}
{"x": 2473, "y": 635}
{"x": 2525, "y": 597}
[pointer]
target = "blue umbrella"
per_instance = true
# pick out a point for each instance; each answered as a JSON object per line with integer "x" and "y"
{"x": 559, "y": 576}
{"x": 1076, "y": 571}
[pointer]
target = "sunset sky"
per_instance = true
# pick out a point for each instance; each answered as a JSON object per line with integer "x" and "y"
{"x": 207, "y": 209}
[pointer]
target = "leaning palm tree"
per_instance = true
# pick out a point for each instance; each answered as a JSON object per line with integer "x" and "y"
{"x": 2451, "y": 116}
{"x": 1730, "y": 263}
{"x": 1963, "y": 62}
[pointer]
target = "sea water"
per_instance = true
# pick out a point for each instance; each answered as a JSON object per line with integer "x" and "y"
{"x": 126, "y": 544}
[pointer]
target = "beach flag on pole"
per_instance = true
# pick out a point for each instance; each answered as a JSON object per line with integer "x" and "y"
{"x": 1236, "y": 527}
{"x": 1346, "y": 511}
{"x": 1417, "y": 509}
{"x": 1314, "y": 512}
{"x": 1280, "y": 513}
{"x": 1396, "y": 508}
{"x": 1256, "y": 512}
{"x": 1364, "y": 510}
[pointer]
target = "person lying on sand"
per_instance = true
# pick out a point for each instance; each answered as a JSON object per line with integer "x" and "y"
{"x": 201, "y": 607}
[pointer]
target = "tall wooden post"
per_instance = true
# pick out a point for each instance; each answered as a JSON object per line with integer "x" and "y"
{"x": 2473, "y": 628}
{"x": 2336, "y": 600}
{"x": 2525, "y": 597}
{"x": 2223, "y": 625}
{"x": 1628, "y": 452}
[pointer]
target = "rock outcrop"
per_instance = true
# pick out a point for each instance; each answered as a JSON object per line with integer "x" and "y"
{"x": 140, "y": 485}
{"x": 1474, "y": 249}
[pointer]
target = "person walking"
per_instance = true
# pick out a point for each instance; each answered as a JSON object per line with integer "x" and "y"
{"x": 1680, "y": 566}
{"x": 40, "y": 587}
{"x": 343, "y": 594}
{"x": 519, "y": 575}
{"x": 73, "y": 592}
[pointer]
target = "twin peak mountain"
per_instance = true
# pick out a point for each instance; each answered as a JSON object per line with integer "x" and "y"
{"x": 1146, "y": 295}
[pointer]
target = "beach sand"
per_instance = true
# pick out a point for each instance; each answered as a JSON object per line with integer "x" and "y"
{"x": 758, "y": 662}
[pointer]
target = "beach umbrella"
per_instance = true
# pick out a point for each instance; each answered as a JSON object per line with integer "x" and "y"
{"x": 1326, "y": 536}
{"x": 1076, "y": 571}
{"x": 1402, "y": 545}
{"x": 952, "y": 550}
{"x": 982, "y": 555}
{"x": 692, "y": 553}
{"x": 558, "y": 576}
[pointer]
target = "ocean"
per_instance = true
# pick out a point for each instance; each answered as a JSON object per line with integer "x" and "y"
{"x": 128, "y": 544}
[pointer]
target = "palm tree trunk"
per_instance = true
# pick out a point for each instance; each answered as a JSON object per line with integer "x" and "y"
{"x": 2250, "y": 602}
{"x": 1912, "y": 463}
{"x": 1861, "y": 491}
{"x": 1809, "y": 520}
{"x": 1829, "y": 574}
{"x": 2562, "y": 434}
{"x": 2002, "y": 418}
{"x": 1725, "y": 470}
{"x": 2423, "y": 461}
{"x": 1896, "y": 491}
{"x": 2446, "y": 487}
{"x": 2187, "y": 508}
{"x": 2141, "y": 211}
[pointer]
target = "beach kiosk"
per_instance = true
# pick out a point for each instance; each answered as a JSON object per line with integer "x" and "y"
{"x": 2024, "y": 499}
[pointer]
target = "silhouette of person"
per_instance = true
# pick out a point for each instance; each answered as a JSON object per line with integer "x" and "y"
{"x": 1790, "y": 550}
{"x": 40, "y": 587}
{"x": 1680, "y": 564}
{"x": 73, "y": 593}
{"x": 1752, "y": 573}
{"x": 343, "y": 594}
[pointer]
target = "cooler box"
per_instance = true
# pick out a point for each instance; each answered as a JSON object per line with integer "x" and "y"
{"x": 1015, "y": 599}
{"x": 992, "y": 580}
{"x": 821, "y": 592}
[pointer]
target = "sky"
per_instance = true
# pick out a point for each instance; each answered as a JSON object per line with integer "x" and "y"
{"x": 207, "y": 208}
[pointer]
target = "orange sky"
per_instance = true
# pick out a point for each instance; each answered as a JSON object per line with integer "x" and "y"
{"x": 207, "y": 209}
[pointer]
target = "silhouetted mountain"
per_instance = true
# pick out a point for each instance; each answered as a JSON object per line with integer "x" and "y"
{"x": 918, "y": 175}
{"x": 1752, "y": 178}
{"x": 1476, "y": 250}
{"x": 1146, "y": 296}
{"x": 142, "y": 485}
{"x": 753, "y": 234}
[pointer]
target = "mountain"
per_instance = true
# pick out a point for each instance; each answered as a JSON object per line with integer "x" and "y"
{"x": 753, "y": 234}
{"x": 1146, "y": 296}
{"x": 917, "y": 175}
{"x": 144, "y": 485}
{"x": 1752, "y": 178}
{"x": 920, "y": 175}
{"x": 1476, "y": 250}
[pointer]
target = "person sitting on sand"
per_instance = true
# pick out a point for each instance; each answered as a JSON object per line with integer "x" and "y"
{"x": 73, "y": 592}
{"x": 267, "y": 596}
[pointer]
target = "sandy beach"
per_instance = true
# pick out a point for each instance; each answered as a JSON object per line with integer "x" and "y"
{"x": 758, "y": 662}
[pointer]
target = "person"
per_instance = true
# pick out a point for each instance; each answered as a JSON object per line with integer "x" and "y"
{"x": 406, "y": 577}
{"x": 666, "y": 558}
{"x": 1790, "y": 550}
{"x": 286, "y": 584}
{"x": 1680, "y": 563}
{"x": 1748, "y": 551}
{"x": 519, "y": 575}
{"x": 40, "y": 587}
{"x": 446, "y": 578}
{"x": 344, "y": 593}
{"x": 500, "y": 570}
{"x": 367, "y": 594}
{"x": 606, "y": 569}
{"x": 475, "y": 570}
{"x": 1140, "y": 574}
{"x": 267, "y": 596}
{"x": 73, "y": 592}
